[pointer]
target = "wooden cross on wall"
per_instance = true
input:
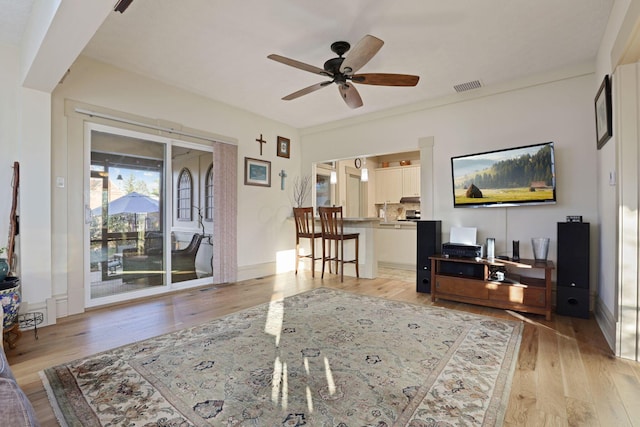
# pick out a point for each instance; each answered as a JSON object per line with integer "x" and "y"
{"x": 261, "y": 141}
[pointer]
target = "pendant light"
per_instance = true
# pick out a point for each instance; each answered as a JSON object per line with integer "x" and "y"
{"x": 364, "y": 173}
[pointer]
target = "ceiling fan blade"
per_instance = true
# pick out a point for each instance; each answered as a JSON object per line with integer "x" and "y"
{"x": 350, "y": 95}
{"x": 299, "y": 65}
{"x": 382, "y": 79}
{"x": 364, "y": 50}
{"x": 305, "y": 91}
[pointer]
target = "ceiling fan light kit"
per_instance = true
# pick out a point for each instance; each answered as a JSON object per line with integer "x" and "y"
{"x": 341, "y": 71}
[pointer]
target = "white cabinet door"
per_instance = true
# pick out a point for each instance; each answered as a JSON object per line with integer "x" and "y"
{"x": 396, "y": 246}
{"x": 388, "y": 185}
{"x": 411, "y": 181}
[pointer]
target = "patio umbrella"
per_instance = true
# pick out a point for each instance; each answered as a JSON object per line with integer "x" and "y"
{"x": 134, "y": 203}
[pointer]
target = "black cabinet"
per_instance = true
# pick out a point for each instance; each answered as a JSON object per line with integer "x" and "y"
{"x": 573, "y": 269}
{"x": 429, "y": 243}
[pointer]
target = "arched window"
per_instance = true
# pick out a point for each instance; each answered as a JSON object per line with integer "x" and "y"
{"x": 208, "y": 195}
{"x": 184, "y": 195}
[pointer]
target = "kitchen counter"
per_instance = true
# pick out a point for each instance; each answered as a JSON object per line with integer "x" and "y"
{"x": 372, "y": 219}
{"x": 368, "y": 256}
{"x": 393, "y": 243}
{"x": 396, "y": 242}
{"x": 398, "y": 224}
{"x": 368, "y": 252}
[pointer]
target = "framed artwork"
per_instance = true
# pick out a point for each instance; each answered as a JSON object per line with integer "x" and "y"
{"x": 284, "y": 145}
{"x": 604, "y": 126}
{"x": 257, "y": 172}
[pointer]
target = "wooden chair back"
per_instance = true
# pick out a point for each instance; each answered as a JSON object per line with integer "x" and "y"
{"x": 304, "y": 222}
{"x": 331, "y": 222}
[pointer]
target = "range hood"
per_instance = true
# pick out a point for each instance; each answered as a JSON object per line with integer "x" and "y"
{"x": 413, "y": 199}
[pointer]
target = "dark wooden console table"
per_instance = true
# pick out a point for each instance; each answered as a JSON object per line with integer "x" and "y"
{"x": 468, "y": 280}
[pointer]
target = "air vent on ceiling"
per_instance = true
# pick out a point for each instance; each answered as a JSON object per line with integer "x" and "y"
{"x": 463, "y": 87}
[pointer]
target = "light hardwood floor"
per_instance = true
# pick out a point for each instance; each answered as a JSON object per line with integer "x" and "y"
{"x": 566, "y": 373}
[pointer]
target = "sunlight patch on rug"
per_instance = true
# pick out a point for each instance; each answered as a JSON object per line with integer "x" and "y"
{"x": 321, "y": 358}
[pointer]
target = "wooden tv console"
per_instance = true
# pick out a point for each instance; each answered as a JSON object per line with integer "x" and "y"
{"x": 467, "y": 280}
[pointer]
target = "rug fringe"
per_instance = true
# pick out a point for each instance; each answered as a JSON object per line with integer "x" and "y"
{"x": 52, "y": 400}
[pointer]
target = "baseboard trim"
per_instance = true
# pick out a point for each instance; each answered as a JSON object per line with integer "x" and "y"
{"x": 254, "y": 271}
{"x": 607, "y": 323}
{"x": 397, "y": 265}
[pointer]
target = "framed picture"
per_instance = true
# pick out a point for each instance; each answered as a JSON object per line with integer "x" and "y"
{"x": 604, "y": 126}
{"x": 284, "y": 146}
{"x": 257, "y": 172}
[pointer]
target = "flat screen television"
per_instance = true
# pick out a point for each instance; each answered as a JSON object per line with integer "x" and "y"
{"x": 510, "y": 177}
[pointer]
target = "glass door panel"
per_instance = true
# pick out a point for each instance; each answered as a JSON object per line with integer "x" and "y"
{"x": 126, "y": 226}
{"x": 192, "y": 216}
{"x": 324, "y": 189}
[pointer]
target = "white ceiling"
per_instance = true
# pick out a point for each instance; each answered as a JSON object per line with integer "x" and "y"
{"x": 13, "y": 20}
{"x": 219, "y": 48}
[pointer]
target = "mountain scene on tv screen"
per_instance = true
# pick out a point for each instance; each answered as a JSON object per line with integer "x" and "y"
{"x": 496, "y": 178}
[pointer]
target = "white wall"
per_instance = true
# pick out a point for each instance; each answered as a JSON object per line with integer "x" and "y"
{"x": 261, "y": 211}
{"x": 619, "y": 33}
{"x": 606, "y": 165}
{"x": 25, "y": 137}
{"x": 560, "y": 111}
{"x": 9, "y": 143}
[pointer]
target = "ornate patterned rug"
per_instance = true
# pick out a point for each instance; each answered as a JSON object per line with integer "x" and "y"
{"x": 323, "y": 358}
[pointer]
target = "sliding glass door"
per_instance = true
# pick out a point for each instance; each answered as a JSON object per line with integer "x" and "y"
{"x": 149, "y": 215}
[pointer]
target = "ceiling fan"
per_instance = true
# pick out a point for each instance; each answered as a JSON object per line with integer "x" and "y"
{"x": 341, "y": 71}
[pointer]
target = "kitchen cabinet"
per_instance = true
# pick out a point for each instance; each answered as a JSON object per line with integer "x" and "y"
{"x": 411, "y": 181}
{"x": 394, "y": 183}
{"x": 388, "y": 185}
{"x": 396, "y": 243}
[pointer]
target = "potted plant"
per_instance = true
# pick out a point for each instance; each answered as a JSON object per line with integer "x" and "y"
{"x": 301, "y": 189}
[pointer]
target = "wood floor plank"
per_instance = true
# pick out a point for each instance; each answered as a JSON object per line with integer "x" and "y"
{"x": 629, "y": 391}
{"x": 573, "y": 371}
{"x": 551, "y": 398}
{"x": 581, "y": 413}
{"x": 542, "y": 390}
{"x": 522, "y": 400}
{"x": 607, "y": 401}
{"x": 528, "y": 357}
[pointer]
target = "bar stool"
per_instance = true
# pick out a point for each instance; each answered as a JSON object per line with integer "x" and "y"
{"x": 333, "y": 231}
{"x": 305, "y": 228}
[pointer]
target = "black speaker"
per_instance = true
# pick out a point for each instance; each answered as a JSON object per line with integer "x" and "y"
{"x": 573, "y": 254}
{"x": 429, "y": 243}
{"x": 573, "y": 269}
{"x": 573, "y": 302}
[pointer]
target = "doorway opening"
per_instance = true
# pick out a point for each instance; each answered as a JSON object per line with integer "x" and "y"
{"x": 149, "y": 215}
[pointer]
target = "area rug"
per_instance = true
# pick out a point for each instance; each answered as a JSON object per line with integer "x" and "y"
{"x": 323, "y": 358}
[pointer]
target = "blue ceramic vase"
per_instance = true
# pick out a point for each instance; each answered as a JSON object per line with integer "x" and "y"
{"x": 10, "y": 298}
{"x": 4, "y": 268}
